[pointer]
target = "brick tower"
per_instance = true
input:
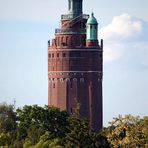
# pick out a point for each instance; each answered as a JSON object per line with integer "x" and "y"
{"x": 75, "y": 65}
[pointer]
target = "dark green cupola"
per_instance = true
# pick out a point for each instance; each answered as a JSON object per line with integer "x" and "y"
{"x": 92, "y": 28}
{"x": 74, "y": 8}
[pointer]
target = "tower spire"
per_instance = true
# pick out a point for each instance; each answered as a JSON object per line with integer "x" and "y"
{"x": 74, "y": 8}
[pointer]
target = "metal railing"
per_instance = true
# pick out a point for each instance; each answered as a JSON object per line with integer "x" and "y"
{"x": 71, "y": 16}
{"x": 70, "y": 30}
{"x": 73, "y": 21}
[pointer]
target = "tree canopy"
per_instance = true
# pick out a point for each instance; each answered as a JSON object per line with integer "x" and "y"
{"x": 48, "y": 127}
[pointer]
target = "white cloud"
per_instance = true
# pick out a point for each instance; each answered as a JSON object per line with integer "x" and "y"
{"x": 126, "y": 37}
{"x": 123, "y": 26}
{"x": 112, "y": 52}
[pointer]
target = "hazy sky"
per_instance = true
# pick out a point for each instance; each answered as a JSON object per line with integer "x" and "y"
{"x": 27, "y": 25}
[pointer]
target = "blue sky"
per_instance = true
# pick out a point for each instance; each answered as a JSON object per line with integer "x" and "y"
{"x": 27, "y": 25}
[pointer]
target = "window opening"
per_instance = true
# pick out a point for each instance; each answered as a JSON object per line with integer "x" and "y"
{"x": 53, "y": 85}
{"x": 71, "y": 85}
{"x": 64, "y": 54}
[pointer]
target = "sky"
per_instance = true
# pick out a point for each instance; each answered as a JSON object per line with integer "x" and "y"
{"x": 27, "y": 25}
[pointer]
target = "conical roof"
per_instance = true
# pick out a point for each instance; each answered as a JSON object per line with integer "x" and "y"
{"x": 92, "y": 20}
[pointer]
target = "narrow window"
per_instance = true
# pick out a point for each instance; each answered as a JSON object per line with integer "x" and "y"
{"x": 53, "y": 85}
{"x": 71, "y": 86}
{"x": 66, "y": 40}
{"x": 53, "y": 55}
{"x": 71, "y": 54}
{"x": 57, "y": 55}
{"x": 77, "y": 41}
{"x": 100, "y": 55}
{"x": 64, "y": 54}
{"x": 58, "y": 41}
{"x": 62, "y": 40}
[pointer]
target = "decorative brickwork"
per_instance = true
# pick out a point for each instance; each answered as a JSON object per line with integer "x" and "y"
{"x": 75, "y": 70}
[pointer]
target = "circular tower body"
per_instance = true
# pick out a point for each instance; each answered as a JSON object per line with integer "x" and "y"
{"x": 75, "y": 69}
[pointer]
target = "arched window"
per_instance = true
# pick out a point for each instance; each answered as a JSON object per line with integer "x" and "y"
{"x": 81, "y": 79}
{"x": 71, "y": 40}
{"x": 58, "y": 41}
{"x": 64, "y": 54}
{"x": 74, "y": 79}
{"x": 53, "y": 85}
{"x": 67, "y": 40}
{"x": 67, "y": 79}
{"x": 77, "y": 40}
{"x": 62, "y": 41}
{"x": 71, "y": 85}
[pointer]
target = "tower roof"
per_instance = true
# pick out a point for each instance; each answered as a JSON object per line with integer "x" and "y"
{"x": 75, "y": 7}
{"x": 92, "y": 20}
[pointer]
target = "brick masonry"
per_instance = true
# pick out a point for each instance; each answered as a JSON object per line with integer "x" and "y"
{"x": 75, "y": 69}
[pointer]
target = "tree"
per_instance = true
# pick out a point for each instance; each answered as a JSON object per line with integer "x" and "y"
{"x": 99, "y": 139}
{"x": 7, "y": 124}
{"x": 57, "y": 123}
{"x": 7, "y": 118}
{"x": 79, "y": 134}
{"x": 44, "y": 127}
{"x": 140, "y": 132}
{"x": 34, "y": 121}
{"x": 44, "y": 142}
{"x": 128, "y": 131}
{"x": 27, "y": 117}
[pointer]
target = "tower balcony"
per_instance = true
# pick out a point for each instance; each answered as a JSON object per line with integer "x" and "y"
{"x": 70, "y": 16}
{"x": 70, "y": 31}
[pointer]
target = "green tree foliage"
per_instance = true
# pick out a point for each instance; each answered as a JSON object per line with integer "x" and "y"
{"x": 79, "y": 130}
{"x": 140, "y": 132}
{"x": 80, "y": 134}
{"x": 7, "y": 124}
{"x": 34, "y": 121}
{"x": 128, "y": 131}
{"x": 44, "y": 127}
{"x": 7, "y": 118}
{"x": 99, "y": 139}
{"x": 46, "y": 142}
{"x": 30, "y": 122}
